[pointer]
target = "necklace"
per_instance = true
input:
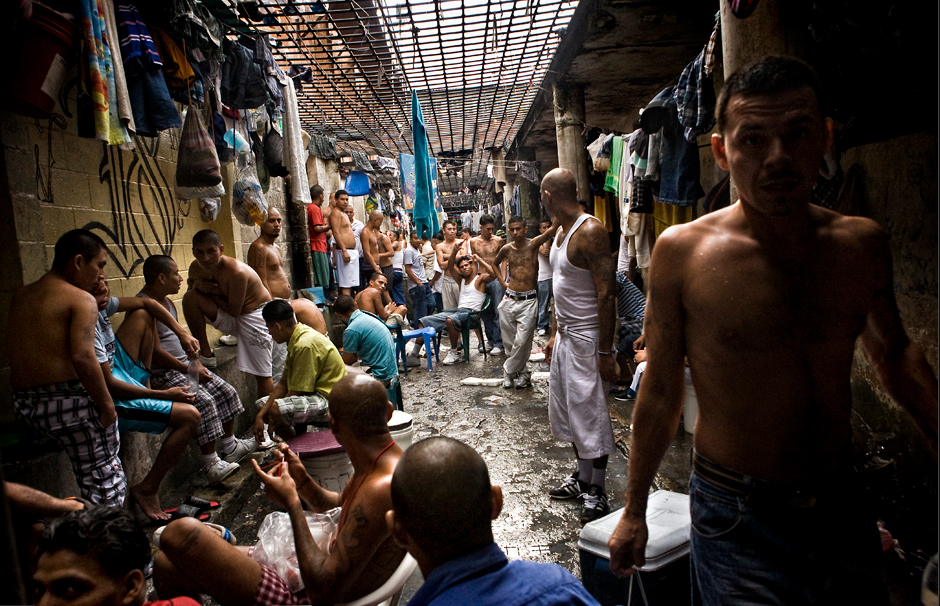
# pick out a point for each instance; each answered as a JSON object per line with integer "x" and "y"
{"x": 345, "y": 512}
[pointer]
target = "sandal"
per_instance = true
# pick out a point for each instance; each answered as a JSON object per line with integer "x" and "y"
{"x": 187, "y": 511}
{"x": 200, "y": 503}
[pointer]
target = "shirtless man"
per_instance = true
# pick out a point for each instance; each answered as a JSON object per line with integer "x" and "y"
{"x": 371, "y": 237}
{"x": 767, "y": 299}
{"x": 376, "y": 300}
{"x": 486, "y": 246}
{"x": 345, "y": 255}
{"x": 229, "y": 295}
{"x": 308, "y": 313}
{"x": 519, "y": 310}
{"x": 196, "y": 560}
{"x": 264, "y": 256}
{"x": 54, "y": 372}
{"x": 580, "y": 350}
{"x": 450, "y": 293}
{"x": 386, "y": 252}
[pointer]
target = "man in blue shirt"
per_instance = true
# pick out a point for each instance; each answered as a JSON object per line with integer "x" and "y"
{"x": 366, "y": 338}
{"x": 442, "y": 509}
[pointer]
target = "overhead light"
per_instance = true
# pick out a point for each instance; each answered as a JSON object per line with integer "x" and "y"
{"x": 345, "y": 159}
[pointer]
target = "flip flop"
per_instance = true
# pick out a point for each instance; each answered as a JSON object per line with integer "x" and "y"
{"x": 203, "y": 504}
{"x": 187, "y": 511}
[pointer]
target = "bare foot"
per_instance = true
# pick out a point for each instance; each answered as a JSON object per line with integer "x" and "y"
{"x": 149, "y": 503}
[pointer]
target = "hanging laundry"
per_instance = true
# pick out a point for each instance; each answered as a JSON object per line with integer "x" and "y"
{"x": 323, "y": 147}
{"x": 197, "y": 169}
{"x": 191, "y": 21}
{"x": 667, "y": 215}
{"x": 389, "y": 166}
{"x": 271, "y": 71}
{"x": 295, "y": 149}
{"x": 300, "y": 75}
{"x": 695, "y": 99}
{"x": 612, "y": 181}
{"x": 176, "y": 68}
{"x": 602, "y": 210}
{"x": 125, "y": 113}
{"x": 97, "y": 71}
{"x": 530, "y": 171}
{"x": 274, "y": 153}
{"x": 362, "y": 162}
{"x": 639, "y": 154}
{"x": 243, "y": 85}
{"x": 594, "y": 149}
{"x": 711, "y": 48}
{"x": 679, "y": 175}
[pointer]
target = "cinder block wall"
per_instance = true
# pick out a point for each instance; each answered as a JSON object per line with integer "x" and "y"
{"x": 51, "y": 181}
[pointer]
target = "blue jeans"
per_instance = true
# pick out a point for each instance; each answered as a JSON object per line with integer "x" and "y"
{"x": 397, "y": 288}
{"x": 545, "y": 293}
{"x": 423, "y": 301}
{"x": 490, "y": 315}
{"x": 761, "y": 550}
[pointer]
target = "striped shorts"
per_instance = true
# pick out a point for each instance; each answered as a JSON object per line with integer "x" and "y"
{"x": 65, "y": 413}
{"x": 216, "y": 400}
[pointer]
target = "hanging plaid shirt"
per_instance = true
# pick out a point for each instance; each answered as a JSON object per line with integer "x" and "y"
{"x": 695, "y": 98}
{"x": 712, "y": 47}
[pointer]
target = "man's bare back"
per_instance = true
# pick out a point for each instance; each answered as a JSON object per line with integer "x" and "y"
{"x": 45, "y": 317}
{"x": 746, "y": 311}
{"x": 370, "y": 300}
{"x": 308, "y": 313}
{"x": 386, "y": 249}
{"x": 230, "y": 279}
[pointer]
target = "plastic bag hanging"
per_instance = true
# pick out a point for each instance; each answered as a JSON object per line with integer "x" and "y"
{"x": 198, "y": 173}
{"x": 248, "y": 203}
{"x": 209, "y": 209}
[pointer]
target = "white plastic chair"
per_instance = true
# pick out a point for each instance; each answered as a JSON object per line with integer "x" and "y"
{"x": 389, "y": 593}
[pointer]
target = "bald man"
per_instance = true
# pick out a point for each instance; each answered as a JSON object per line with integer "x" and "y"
{"x": 372, "y": 251}
{"x": 308, "y": 313}
{"x": 442, "y": 511}
{"x": 580, "y": 351}
{"x": 265, "y": 257}
{"x": 195, "y": 560}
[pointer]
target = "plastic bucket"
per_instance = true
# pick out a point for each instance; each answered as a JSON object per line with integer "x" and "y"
{"x": 42, "y": 53}
{"x": 330, "y": 471}
{"x": 402, "y": 429}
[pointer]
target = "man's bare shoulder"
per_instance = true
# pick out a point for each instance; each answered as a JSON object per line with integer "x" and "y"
{"x": 849, "y": 229}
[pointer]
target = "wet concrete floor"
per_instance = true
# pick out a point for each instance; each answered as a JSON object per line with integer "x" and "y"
{"x": 510, "y": 429}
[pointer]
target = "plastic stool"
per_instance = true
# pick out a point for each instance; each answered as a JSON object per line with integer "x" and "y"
{"x": 427, "y": 333}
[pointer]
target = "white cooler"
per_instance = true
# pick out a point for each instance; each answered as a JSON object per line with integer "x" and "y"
{"x": 666, "y": 572}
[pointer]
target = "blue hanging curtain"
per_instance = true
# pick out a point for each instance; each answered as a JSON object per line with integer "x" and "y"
{"x": 425, "y": 217}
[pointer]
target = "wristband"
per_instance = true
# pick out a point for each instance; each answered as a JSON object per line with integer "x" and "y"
{"x": 605, "y": 353}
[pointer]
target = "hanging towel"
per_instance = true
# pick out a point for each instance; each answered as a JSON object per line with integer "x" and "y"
{"x": 98, "y": 74}
{"x": 612, "y": 182}
{"x": 125, "y": 113}
{"x": 295, "y": 152}
{"x": 601, "y": 210}
{"x": 426, "y": 220}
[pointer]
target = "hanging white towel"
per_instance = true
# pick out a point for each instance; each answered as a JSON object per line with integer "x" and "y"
{"x": 295, "y": 153}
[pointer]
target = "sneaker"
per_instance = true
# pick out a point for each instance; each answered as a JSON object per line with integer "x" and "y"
{"x": 542, "y": 332}
{"x": 487, "y": 347}
{"x": 243, "y": 448}
{"x": 218, "y": 470}
{"x": 412, "y": 360}
{"x": 267, "y": 444}
{"x": 522, "y": 381}
{"x": 452, "y": 358}
{"x": 595, "y": 504}
{"x": 571, "y": 488}
{"x": 622, "y": 393}
{"x": 508, "y": 381}
{"x": 228, "y": 340}
{"x": 208, "y": 362}
{"x": 496, "y": 351}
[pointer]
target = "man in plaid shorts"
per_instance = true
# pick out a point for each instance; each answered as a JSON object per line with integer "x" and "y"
{"x": 59, "y": 387}
{"x": 217, "y": 401}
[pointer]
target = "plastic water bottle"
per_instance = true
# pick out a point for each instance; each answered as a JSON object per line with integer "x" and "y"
{"x": 928, "y": 588}
{"x": 192, "y": 372}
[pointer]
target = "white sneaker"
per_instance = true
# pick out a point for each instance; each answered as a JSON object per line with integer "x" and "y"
{"x": 542, "y": 332}
{"x": 452, "y": 358}
{"x": 268, "y": 442}
{"x": 209, "y": 362}
{"x": 496, "y": 351}
{"x": 243, "y": 448}
{"x": 228, "y": 340}
{"x": 508, "y": 381}
{"x": 218, "y": 470}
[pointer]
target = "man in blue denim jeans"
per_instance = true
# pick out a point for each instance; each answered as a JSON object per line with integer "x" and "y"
{"x": 767, "y": 298}
{"x": 422, "y": 298}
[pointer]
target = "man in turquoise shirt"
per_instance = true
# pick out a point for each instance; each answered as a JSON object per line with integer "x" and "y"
{"x": 366, "y": 338}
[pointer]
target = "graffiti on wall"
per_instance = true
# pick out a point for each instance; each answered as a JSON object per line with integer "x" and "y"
{"x": 138, "y": 229}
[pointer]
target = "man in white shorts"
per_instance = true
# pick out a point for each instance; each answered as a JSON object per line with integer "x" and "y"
{"x": 229, "y": 295}
{"x": 580, "y": 351}
{"x": 345, "y": 253}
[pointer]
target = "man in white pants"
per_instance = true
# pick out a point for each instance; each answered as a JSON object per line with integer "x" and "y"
{"x": 580, "y": 351}
{"x": 519, "y": 309}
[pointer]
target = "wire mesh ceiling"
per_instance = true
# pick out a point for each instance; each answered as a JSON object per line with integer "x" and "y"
{"x": 476, "y": 67}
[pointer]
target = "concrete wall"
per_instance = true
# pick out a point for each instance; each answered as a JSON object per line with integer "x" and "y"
{"x": 51, "y": 181}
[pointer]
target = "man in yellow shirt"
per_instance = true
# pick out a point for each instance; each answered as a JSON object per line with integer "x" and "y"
{"x": 313, "y": 364}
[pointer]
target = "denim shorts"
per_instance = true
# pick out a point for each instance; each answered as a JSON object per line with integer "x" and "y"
{"x": 760, "y": 549}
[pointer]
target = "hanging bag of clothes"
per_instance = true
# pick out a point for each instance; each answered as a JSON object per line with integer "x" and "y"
{"x": 274, "y": 153}
{"x": 248, "y": 203}
{"x": 198, "y": 173}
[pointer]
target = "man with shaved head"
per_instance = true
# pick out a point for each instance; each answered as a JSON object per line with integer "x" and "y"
{"x": 442, "y": 511}
{"x": 374, "y": 254}
{"x": 195, "y": 560}
{"x": 580, "y": 351}
{"x": 265, "y": 257}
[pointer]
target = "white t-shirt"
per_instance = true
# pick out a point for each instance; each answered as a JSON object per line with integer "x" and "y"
{"x": 357, "y": 226}
{"x": 413, "y": 258}
{"x": 104, "y": 334}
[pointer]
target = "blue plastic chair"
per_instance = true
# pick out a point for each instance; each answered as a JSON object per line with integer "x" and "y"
{"x": 430, "y": 343}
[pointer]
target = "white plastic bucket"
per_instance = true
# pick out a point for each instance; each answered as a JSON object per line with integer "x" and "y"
{"x": 330, "y": 471}
{"x": 402, "y": 429}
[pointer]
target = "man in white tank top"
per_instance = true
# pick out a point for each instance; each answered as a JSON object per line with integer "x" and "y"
{"x": 580, "y": 350}
{"x": 472, "y": 296}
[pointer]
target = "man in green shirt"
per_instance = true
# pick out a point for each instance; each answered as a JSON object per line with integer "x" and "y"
{"x": 313, "y": 364}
